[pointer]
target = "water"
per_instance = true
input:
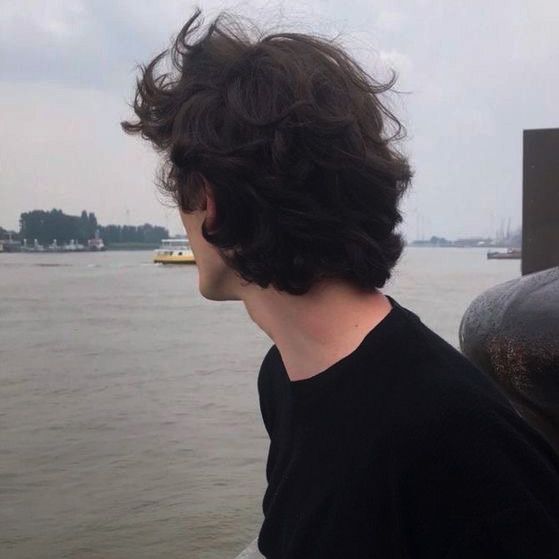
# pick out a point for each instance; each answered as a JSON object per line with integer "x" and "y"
{"x": 129, "y": 418}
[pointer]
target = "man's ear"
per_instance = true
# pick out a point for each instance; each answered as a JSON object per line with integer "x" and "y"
{"x": 209, "y": 205}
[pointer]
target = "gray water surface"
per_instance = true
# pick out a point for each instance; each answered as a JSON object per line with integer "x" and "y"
{"x": 129, "y": 418}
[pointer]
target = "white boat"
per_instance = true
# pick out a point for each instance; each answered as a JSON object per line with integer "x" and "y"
{"x": 72, "y": 246}
{"x": 174, "y": 251}
{"x": 96, "y": 243}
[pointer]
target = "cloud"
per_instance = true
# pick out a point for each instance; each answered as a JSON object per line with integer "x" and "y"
{"x": 477, "y": 76}
{"x": 396, "y": 60}
{"x": 391, "y": 20}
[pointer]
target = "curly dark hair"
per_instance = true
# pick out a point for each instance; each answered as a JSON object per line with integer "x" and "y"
{"x": 291, "y": 136}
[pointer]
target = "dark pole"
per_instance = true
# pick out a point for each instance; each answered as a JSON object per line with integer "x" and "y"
{"x": 540, "y": 206}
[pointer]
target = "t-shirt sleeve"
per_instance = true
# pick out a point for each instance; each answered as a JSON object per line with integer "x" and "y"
{"x": 265, "y": 392}
{"x": 484, "y": 484}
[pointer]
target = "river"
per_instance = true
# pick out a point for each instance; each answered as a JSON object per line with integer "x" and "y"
{"x": 129, "y": 418}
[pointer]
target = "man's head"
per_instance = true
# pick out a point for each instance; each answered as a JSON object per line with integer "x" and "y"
{"x": 277, "y": 154}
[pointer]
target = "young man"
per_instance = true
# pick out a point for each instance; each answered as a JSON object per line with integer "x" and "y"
{"x": 385, "y": 441}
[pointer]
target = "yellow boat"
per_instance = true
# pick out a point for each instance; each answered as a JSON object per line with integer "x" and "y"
{"x": 174, "y": 251}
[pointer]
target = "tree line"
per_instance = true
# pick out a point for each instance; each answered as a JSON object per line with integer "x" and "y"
{"x": 46, "y": 226}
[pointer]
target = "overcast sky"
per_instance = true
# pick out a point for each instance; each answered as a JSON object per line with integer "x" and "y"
{"x": 475, "y": 73}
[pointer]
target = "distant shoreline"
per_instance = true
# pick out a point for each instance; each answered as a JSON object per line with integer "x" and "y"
{"x": 153, "y": 246}
{"x": 434, "y": 245}
{"x": 109, "y": 248}
{"x": 132, "y": 246}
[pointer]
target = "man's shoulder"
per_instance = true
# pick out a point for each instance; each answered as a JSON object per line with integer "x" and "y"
{"x": 439, "y": 377}
{"x": 430, "y": 394}
{"x": 269, "y": 367}
{"x": 463, "y": 419}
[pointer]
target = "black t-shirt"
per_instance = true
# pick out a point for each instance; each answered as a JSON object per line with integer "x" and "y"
{"x": 402, "y": 449}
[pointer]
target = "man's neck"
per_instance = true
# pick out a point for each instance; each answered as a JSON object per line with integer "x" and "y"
{"x": 315, "y": 330}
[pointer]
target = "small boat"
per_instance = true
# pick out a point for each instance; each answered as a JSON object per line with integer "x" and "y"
{"x": 511, "y": 253}
{"x": 72, "y": 246}
{"x": 35, "y": 247}
{"x": 96, "y": 243}
{"x": 174, "y": 251}
{"x": 8, "y": 245}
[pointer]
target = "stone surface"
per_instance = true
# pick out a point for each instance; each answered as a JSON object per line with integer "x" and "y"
{"x": 511, "y": 332}
{"x": 251, "y": 552}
